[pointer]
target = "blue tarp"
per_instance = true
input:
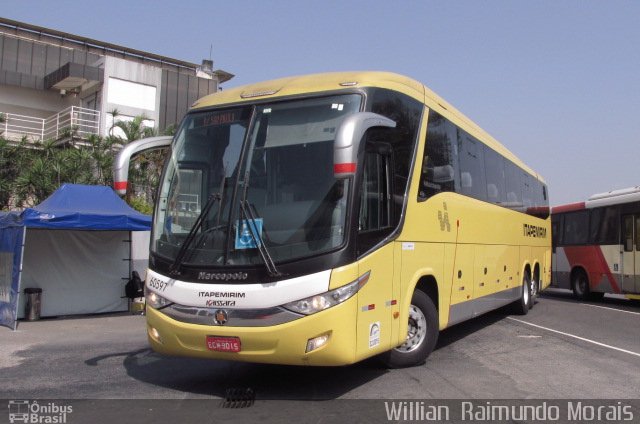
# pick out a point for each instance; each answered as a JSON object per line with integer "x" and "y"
{"x": 83, "y": 207}
{"x": 11, "y": 242}
{"x": 71, "y": 207}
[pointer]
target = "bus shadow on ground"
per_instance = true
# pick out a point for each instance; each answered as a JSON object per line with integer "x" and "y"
{"x": 272, "y": 382}
{"x": 464, "y": 329}
{"x": 266, "y": 382}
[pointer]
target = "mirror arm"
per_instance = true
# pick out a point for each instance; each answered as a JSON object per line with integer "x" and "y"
{"x": 348, "y": 138}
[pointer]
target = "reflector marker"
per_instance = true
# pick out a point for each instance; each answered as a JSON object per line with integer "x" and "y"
{"x": 391, "y": 302}
{"x": 369, "y": 307}
{"x": 344, "y": 168}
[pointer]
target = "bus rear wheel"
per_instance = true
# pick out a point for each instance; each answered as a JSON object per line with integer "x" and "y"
{"x": 580, "y": 285}
{"x": 535, "y": 291}
{"x": 422, "y": 334}
{"x": 523, "y": 304}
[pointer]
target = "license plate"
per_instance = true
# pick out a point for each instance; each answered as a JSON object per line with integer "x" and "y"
{"x": 223, "y": 344}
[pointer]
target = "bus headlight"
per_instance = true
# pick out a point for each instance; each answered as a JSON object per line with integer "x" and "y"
{"x": 323, "y": 301}
{"x": 155, "y": 300}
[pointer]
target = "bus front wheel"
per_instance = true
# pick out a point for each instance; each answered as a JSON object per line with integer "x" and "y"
{"x": 580, "y": 285}
{"x": 422, "y": 334}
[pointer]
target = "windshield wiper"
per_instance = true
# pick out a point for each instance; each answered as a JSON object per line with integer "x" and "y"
{"x": 174, "y": 269}
{"x": 247, "y": 212}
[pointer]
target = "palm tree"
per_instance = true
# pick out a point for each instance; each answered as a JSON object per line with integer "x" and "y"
{"x": 114, "y": 113}
{"x": 135, "y": 129}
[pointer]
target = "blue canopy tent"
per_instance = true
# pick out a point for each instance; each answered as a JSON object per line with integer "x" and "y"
{"x": 11, "y": 247}
{"x": 83, "y": 207}
{"x": 80, "y": 248}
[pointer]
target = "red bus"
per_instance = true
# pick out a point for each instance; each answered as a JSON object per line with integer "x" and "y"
{"x": 596, "y": 245}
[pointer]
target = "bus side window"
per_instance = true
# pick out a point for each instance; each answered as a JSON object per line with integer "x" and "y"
{"x": 376, "y": 216}
{"x": 556, "y": 231}
{"x": 440, "y": 160}
{"x": 375, "y": 196}
{"x": 628, "y": 233}
{"x": 494, "y": 166}
{"x": 637, "y": 234}
{"x": 576, "y": 228}
{"x": 513, "y": 186}
{"x": 594, "y": 224}
{"x": 472, "y": 171}
{"x": 608, "y": 232}
{"x": 603, "y": 226}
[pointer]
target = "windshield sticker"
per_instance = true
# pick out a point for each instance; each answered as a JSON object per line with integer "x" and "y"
{"x": 244, "y": 238}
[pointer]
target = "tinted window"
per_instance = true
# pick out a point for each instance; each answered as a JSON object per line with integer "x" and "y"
{"x": 513, "y": 186}
{"x": 540, "y": 194}
{"x": 453, "y": 160}
{"x": 494, "y": 165}
{"x": 472, "y": 178}
{"x": 540, "y": 203}
{"x": 406, "y": 112}
{"x": 374, "y": 204}
{"x": 594, "y": 224}
{"x": 628, "y": 233}
{"x": 637, "y": 234}
{"x": 387, "y": 165}
{"x": 603, "y": 227}
{"x": 440, "y": 159}
{"x": 576, "y": 228}
{"x": 527, "y": 191}
{"x": 609, "y": 227}
{"x": 556, "y": 231}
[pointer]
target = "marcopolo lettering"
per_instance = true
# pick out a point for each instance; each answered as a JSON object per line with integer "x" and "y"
{"x": 535, "y": 231}
{"x": 223, "y": 276}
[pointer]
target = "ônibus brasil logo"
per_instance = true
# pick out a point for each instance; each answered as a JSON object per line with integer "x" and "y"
{"x": 26, "y": 411}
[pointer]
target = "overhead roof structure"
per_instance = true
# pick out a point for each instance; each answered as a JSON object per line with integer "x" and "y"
{"x": 84, "y": 207}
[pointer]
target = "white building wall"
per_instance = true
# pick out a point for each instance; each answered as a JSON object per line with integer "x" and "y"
{"x": 147, "y": 78}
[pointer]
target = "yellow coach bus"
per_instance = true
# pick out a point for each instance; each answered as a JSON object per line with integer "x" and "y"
{"x": 325, "y": 219}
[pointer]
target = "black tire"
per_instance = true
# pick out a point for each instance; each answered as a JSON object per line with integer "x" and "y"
{"x": 580, "y": 285}
{"x": 523, "y": 304}
{"x": 422, "y": 334}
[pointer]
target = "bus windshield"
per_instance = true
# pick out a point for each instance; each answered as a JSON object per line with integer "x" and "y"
{"x": 276, "y": 160}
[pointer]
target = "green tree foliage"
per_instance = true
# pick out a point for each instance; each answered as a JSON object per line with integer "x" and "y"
{"x": 135, "y": 129}
{"x": 145, "y": 168}
{"x": 31, "y": 171}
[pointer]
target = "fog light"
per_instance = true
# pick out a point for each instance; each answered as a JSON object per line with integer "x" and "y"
{"x": 317, "y": 342}
{"x": 155, "y": 335}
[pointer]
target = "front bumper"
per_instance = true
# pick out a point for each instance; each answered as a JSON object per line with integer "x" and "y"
{"x": 277, "y": 344}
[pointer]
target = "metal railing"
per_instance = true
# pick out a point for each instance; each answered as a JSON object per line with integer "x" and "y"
{"x": 72, "y": 122}
{"x": 15, "y": 127}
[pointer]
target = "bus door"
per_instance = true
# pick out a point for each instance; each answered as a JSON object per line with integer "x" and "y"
{"x": 375, "y": 299}
{"x": 631, "y": 254}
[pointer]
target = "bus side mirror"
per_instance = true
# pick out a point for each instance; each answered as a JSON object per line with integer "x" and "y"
{"x": 121, "y": 163}
{"x": 348, "y": 137}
